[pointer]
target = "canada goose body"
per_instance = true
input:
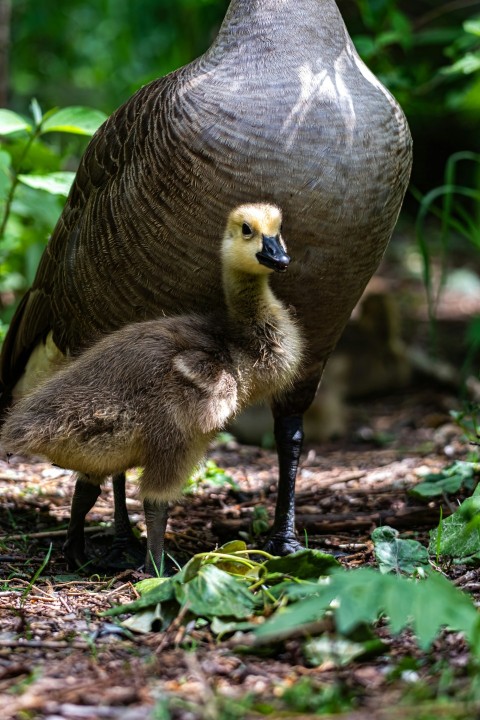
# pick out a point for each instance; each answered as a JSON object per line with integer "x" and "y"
{"x": 280, "y": 107}
{"x": 154, "y": 393}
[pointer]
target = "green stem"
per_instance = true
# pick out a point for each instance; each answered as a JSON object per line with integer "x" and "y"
{"x": 15, "y": 181}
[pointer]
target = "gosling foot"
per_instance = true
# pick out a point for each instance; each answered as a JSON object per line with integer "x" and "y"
{"x": 124, "y": 553}
{"x": 75, "y": 555}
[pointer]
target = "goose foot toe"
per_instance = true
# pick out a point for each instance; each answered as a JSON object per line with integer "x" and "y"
{"x": 282, "y": 544}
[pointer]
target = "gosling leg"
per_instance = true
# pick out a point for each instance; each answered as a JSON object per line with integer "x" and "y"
{"x": 126, "y": 550}
{"x": 289, "y": 438}
{"x": 84, "y": 498}
{"x": 156, "y": 515}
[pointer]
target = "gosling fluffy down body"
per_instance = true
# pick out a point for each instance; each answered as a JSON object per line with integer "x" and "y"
{"x": 154, "y": 393}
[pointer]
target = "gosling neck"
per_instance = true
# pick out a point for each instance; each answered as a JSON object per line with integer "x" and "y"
{"x": 249, "y": 299}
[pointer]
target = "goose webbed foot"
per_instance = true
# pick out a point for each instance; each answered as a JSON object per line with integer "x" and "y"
{"x": 282, "y": 544}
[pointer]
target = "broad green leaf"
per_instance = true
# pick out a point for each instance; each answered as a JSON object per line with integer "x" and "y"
{"x": 303, "y": 565}
{"x": 223, "y": 627}
{"x": 358, "y": 597}
{"x": 58, "y": 183}
{"x": 10, "y": 122}
{"x": 449, "y": 480}
{"x": 162, "y": 592}
{"x": 213, "y": 592}
{"x": 292, "y": 618}
{"x": 396, "y": 555}
{"x": 472, "y": 26}
{"x": 460, "y": 533}
{"x": 361, "y": 596}
{"x": 77, "y": 120}
{"x": 438, "y": 603}
{"x": 233, "y": 546}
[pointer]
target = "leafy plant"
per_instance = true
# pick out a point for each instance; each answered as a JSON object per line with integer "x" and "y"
{"x": 458, "y": 536}
{"x": 457, "y": 476}
{"x": 393, "y": 554}
{"x": 209, "y": 473}
{"x": 300, "y": 595}
{"x": 447, "y": 203}
{"x": 33, "y": 187}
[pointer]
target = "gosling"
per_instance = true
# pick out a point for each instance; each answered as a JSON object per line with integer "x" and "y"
{"x": 155, "y": 393}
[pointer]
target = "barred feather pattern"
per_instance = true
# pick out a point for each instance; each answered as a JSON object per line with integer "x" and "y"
{"x": 280, "y": 109}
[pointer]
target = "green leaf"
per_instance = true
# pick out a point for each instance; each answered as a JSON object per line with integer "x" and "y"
{"x": 213, "y": 592}
{"x": 77, "y": 120}
{"x": 223, "y": 627}
{"x": 450, "y": 480}
{"x": 161, "y": 592}
{"x": 57, "y": 183}
{"x": 460, "y": 533}
{"x": 303, "y": 565}
{"x": 472, "y": 26}
{"x": 396, "y": 555}
{"x": 438, "y": 603}
{"x": 10, "y": 122}
{"x": 362, "y": 596}
{"x": 290, "y": 620}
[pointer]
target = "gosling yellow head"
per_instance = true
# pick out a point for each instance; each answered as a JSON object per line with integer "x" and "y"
{"x": 253, "y": 242}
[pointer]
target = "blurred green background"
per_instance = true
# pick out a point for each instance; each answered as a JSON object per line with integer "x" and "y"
{"x": 96, "y": 54}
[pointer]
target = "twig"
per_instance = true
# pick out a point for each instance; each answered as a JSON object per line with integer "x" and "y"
{"x": 47, "y": 534}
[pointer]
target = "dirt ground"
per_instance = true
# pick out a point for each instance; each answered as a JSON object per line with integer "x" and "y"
{"x": 59, "y": 659}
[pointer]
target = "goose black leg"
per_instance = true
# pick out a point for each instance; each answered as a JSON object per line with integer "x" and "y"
{"x": 289, "y": 439}
{"x": 84, "y": 498}
{"x": 156, "y": 516}
{"x": 288, "y": 429}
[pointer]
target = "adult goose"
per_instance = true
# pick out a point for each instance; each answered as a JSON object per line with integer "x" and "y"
{"x": 280, "y": 108}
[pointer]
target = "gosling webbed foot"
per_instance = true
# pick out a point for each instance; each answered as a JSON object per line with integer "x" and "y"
{"x": 124, "y": 553}
{"x": 282, "y": 544}
{"x": 75, "y": 555}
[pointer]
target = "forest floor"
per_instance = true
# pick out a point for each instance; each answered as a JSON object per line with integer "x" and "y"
{"x": 60, "y": 660}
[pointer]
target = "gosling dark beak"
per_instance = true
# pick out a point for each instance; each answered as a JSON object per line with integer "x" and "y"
{"x": 272, "y": 254}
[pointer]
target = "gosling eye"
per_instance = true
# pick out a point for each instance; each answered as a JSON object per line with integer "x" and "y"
{"x": 247, "y": 231}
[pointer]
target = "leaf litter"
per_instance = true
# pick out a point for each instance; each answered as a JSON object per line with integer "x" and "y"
{"x": 215, "y": 639}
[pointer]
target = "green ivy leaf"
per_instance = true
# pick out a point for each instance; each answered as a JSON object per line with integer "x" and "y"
{"x": 76, "y": 120}
{"x": 396, "y": 555}
{"x": 10, "y": 122}
{"x": 304, "y": 565}
{"x": 213, "y": 592}
{"x": 57, "y": 183}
